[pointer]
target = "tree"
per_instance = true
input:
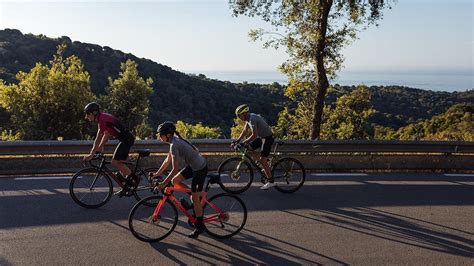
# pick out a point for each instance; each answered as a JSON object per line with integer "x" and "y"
{"x": 457, "y": 123}
{"x": 48, "y": 101}
{"x": 314, "y": 33}
{"x": 197, "y": 131}
{"x": 349, "y": 119}
{"x": 128, "y": 98}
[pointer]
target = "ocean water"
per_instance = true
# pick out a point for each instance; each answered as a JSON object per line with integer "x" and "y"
{"x": 429, "y": 81}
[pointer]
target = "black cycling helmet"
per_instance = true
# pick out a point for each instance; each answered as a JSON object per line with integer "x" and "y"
{"x": 91, "y": 107}
{"x": 166, "y": 128}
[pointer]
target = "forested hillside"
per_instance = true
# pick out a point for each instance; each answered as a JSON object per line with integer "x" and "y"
{"x": 176, "y": 95}
{"x": 193, "y": 99}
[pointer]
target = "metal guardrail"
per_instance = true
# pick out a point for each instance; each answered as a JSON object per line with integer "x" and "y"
{"x": 32, "y": 157}
{"x": 72, "y": 147}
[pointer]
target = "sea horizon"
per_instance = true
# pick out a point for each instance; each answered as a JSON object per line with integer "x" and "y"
{"x": 435, "y": 81}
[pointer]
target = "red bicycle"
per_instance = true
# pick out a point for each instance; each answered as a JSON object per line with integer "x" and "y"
{"x": 154, "y": 218}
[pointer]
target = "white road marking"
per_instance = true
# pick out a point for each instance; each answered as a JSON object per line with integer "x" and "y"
{"x": 460, "y": 175}
{"x": 42, "y": 178}
{"x": 339, "y": 174}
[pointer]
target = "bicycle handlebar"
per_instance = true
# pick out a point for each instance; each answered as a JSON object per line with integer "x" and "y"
{"x": 239, "y": 147}
{"x": 97, "y": 156}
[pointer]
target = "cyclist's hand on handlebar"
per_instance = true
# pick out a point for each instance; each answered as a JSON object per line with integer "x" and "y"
{"x": 162, "y": 185}
{"x": 154, "y": 178}
{"x": 88, "y": 157}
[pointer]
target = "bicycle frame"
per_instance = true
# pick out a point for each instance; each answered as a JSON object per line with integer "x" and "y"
{"x": 103, "y": 167}
{"x": 247, "y": 157}
{"x": 168, "y": 194}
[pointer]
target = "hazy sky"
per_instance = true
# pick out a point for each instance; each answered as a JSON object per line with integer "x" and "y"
{"x": 416, "y": 35}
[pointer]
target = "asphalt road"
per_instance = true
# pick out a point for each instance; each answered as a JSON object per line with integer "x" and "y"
{"x": 371, "y": 219}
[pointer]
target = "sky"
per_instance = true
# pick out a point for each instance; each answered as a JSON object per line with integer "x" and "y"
{"x": 420, "y": 36}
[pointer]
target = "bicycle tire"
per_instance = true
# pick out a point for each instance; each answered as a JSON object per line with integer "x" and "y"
{"x": 141, "y": 226}
{"x": 231, "y": 219}
{"x": 291, "y": 168}
{"x": 233, "y": 181}
{"x": 144, "y": 188}
{"x": 96, "y": 196}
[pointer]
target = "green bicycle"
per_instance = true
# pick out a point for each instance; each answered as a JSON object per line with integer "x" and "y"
{"x": 236, "y": 173}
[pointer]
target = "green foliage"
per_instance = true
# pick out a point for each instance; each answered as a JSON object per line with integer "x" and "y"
{"x": 457, "y": 123}
{"x": 314, "y": 32}
{"x": 197, "y": 131}
{"x": 48, "y": 101}
{"x": 176, "y": 95}
{"x": 128, "y": 98}
{"x": 8, "y": 135}
{"x": 350, "y": 118}
{"x": 237, "y": 129}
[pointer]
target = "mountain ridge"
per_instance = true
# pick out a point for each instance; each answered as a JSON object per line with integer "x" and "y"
{"x": 196, "y": 98}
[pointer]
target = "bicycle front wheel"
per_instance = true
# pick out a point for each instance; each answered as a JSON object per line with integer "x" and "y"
{"x": 90, "y": 188}
{"x": 236, "y": 175}
{"x": 144, "y": 227}
{"x": 289, "y": 175}
{"x": 224, "y": 215}
{"x": 144, "y": 188}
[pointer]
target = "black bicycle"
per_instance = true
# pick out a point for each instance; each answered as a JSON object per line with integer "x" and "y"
{"x": 236, "y": 173}
{"x": 92, "y": 187}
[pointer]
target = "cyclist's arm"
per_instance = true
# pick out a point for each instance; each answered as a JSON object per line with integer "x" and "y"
{"x": 105, "y": 138}
{"x": 97, "y": 141}
{"x": 174, "y": 170}
{"x": 252, "y": 137}
{"x": 164, "y": 165}
{"x": 246, "y": 127}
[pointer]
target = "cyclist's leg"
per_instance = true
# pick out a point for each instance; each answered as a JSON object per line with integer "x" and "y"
{"x": 254, "y": 145}
{"x": 178, "y": 179}
{"x": 196, "y": 187}
{"x": 266, "y": 147}
{"x": 119, "y": 157}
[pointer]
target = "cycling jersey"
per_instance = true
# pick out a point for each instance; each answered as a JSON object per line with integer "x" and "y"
{"x": 257, "y": 124}
{"x": 108, "y": 123}
{"x": 183, "y": 151}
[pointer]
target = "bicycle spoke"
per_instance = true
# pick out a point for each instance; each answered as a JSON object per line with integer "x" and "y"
{"x": 289, "y": 175}
{"x": 225, "y": 215}
{"x": 144, "y": 227}
{"x": 90, "y": 188}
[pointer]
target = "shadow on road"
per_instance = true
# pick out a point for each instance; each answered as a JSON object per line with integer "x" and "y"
{"x": 56, "y": 206}
{"x": 245, "y": 248}
{"x": 395, "y": 227}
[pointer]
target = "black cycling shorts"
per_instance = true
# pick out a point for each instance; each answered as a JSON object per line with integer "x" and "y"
{"x": 198, "y": 177}
{"x": 265, "y": 145}
{"x": 122, "y": 150}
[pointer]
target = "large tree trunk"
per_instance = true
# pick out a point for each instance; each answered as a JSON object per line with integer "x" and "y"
{"x": 322, "y": 82}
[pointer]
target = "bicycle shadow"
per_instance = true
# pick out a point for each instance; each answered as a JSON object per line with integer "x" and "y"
{"x": 394, "y": 227}
{"x": 244, "y": 248}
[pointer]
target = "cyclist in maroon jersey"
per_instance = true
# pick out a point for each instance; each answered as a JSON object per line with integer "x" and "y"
{"x": 111, "y": 127}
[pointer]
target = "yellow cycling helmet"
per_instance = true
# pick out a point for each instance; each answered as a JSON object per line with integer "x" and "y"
{"x": 244, "y": 108}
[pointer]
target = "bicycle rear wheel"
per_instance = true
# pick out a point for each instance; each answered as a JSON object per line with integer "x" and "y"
{"x": 90, "y": 188}
{"x": 289, "y": 175}
{"x": 236, "y": 175}
{"x": 144, "y": 188}
{"x": 225, "y": 215}
{"x": 142, "y": 225}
